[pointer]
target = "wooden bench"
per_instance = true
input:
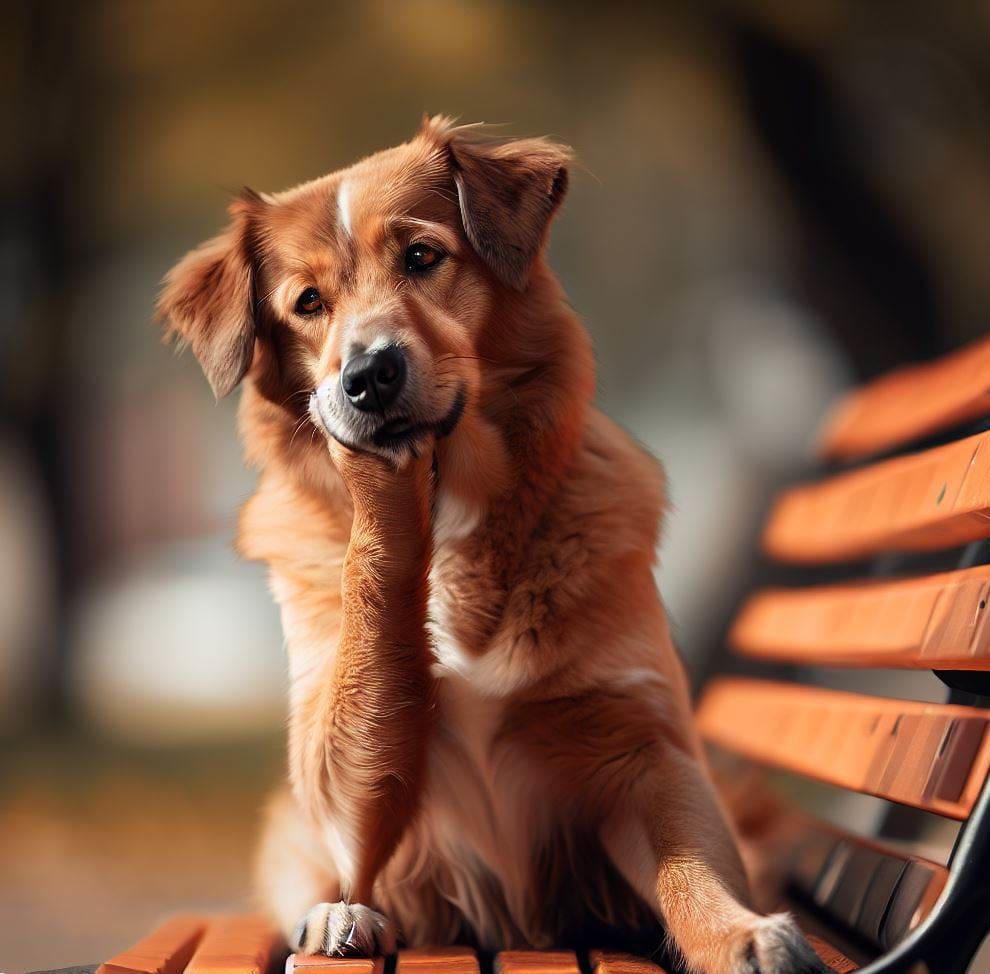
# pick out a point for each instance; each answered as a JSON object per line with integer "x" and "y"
{"x": 906, "y": 470}
{"x": 881, "y": 560}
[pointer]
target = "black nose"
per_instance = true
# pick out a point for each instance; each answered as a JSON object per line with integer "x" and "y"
{"x": 373, "y": 380}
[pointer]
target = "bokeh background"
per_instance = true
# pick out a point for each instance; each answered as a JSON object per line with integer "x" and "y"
{"x": 776, "y": 199}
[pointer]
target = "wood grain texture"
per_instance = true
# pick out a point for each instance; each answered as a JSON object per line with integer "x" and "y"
{"x": 319, "y": 963}
{"x": 237, "y": 944}
{"x": 935, "y": 499}
{"x": 832, "y": 956}
{"x": 909, "y": 404}
{"x": 164, "y": 951}
{"x": 865, "y": 886}
{"x": 935, "y": 622}
{"x": 931, "y": 756}
{"x": 536, "y": 962}
{"x": 442, "y": 960}
{"x": 607, "y": 962}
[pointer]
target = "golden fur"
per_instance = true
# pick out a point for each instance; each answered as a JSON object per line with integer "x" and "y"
{"x": 490, "y": 735}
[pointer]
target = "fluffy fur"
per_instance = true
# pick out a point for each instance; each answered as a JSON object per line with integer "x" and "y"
{"x": 490, "y": 737}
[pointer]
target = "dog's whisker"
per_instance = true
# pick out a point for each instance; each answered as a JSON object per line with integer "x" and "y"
{"x": 264, "y": 299}
{"x": 294, "y": 395}
{"x": 450, "y": 356}
{"x": 299, "y": 425}
{"x": 449, "y": 197}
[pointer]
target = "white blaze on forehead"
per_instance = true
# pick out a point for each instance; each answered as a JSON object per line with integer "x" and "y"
{"x": 344, "y": 205}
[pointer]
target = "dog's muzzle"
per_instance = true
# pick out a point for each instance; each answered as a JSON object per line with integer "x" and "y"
{"x": 377, "y": 402}
{"x": 373, "y": 381}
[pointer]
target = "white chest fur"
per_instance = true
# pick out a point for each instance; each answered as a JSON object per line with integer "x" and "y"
{"x": 455, "y": 519}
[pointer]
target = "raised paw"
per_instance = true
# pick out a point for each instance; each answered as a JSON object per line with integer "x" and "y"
{"x": 774, "y": 945}
{"x": 344, "y": 930}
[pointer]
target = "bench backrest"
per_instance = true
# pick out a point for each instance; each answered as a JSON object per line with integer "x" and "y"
{"x": 883, "y": 561}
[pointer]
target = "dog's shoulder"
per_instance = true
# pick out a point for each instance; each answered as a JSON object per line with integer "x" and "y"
{"x": 616, "y": 485}
{"x": 629, "y": 462}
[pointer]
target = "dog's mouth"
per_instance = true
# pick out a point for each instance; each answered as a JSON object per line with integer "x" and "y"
{"x": 393, "y": 435}
{"x": 402, "y": 431}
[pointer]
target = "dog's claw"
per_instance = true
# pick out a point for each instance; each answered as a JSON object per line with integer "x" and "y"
{"x": 344, "y": 930}
{"x": 775, "y": 946}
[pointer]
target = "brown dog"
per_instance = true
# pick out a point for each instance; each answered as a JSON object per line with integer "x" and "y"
{"x": 490, "y": 734}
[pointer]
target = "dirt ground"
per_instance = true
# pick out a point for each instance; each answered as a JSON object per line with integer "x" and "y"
{"x": 98, "y": 843}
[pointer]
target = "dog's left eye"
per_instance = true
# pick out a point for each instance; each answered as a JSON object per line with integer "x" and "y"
{"x": 422, "y": 257}
{"x": 309, "y": 302}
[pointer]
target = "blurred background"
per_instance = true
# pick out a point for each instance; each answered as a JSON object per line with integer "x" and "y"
{"x": 777, "y": 200}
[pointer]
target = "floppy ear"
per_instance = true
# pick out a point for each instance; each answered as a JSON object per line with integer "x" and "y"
{"x": 207, "y": 301}
{"x": 508, "y": 192}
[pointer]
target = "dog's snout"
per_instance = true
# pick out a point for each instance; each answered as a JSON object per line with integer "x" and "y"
{"x": 372, "y": 381}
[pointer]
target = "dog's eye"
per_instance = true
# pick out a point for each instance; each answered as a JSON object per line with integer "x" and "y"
{"x": 309, "y": 302}
{"x": 421, "y": 257}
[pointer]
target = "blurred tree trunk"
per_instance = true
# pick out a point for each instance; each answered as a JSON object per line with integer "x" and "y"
{"x": 44, "y": 235}
{"x": 860, "y": 265}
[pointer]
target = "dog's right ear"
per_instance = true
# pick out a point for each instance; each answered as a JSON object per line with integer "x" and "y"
{"x": 207, "y": 302}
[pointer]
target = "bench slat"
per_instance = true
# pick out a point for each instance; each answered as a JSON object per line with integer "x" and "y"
{"x": 165, "y": 951}
{"x": 874, "y": 890}
{"x": 909, "y": 404}
{"x": 832, "y": 956}
{"x": 245, "y": 944}
{"x": 931, "y": 756}
{"x": 536, "y": 962}
{"x": 607, "y": 962}
{"x": 443, "y": 960}
{"x": 933, "y": 622}
{"x": 320, "y": 964}
{"x": 936, "y": 499}
{"x": 604, "y": 962}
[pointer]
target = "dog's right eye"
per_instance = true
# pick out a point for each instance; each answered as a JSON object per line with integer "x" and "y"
{"x": 309, "y": 302}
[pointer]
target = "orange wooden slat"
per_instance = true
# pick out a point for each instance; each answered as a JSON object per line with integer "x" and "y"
{"x": 443, "y": 960}
{"x": 923, "y": 501}
{"x": 319, "y": 964}
{"x": 606, "y": 962}
{"x": 931, "y": 756}
{"x": 876, "y": 890}
{"x": 933, "y": 622}
{"x": 910, "y": 403}
{"x": 165, "y": 951}
{"x": 832, "y": 956}
{"x": 536, "y": 962}
{"x": 237, "y": 944}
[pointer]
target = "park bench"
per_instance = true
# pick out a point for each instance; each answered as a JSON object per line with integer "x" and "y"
{"x": 880, "y": 561}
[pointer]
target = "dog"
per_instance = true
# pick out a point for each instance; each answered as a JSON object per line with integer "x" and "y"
{"x": 490, "y": 735}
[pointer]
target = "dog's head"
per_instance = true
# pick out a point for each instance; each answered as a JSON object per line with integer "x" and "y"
{"x": 362, "y": 297}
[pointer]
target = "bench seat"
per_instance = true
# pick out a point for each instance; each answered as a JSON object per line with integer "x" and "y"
{"x": 247, "y": 944}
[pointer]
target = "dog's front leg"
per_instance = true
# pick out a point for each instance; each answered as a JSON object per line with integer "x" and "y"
{"x": 673, "y": 845}
{"x": 361, "y": 749}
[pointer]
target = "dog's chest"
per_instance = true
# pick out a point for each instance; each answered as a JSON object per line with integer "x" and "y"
{"x": 480, "y": 797}
{"x": 469, "y": 722}
{"x": 454, "y": 589}
{"x": 452, "y": 657}
{"x": 480, "y": 794}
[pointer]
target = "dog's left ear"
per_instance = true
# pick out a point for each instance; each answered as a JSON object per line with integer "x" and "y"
{"x": 508, "y": 192}
{"x": 207, "y": 301}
